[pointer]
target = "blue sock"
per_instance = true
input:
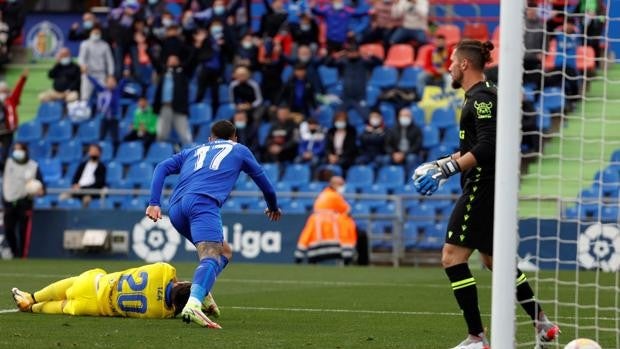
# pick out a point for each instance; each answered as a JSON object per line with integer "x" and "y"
{"x": 204, "y": 278}
{"x": 224, "y": 261}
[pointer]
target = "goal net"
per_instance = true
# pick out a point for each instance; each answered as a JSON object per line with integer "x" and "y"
{"x": 569, "y": 191}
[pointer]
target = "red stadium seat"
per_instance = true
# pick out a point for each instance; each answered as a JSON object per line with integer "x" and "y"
{"x": 476, "y": 31}
{"x": 549, "y": 59}
{"x": 423, "y": 54}
{"x": 494, "y": 57}
{"x": 400, "y": 56}
{"x": 376, "y": 50}
{"x": 585, "y": 58}
{"x": 451, "y": 32}
{"x": 495, "y": 37}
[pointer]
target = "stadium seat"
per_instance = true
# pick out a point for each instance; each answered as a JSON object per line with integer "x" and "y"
{"x": 386, "y": 209}
{"x": 615, "y": 157}
{"x": 114, "y": 174}
{"x": 70, "y": 170}
{"x": 140, "y": 175}
{"x": 335, "y": 90}
{"x": 356, "y": 120}
{"x": 296, "y": 174}
{"x": 389, "y": 114}
{"x": 137, "y": 203}
{"x": 439, "y": 152}
{"x": 29, "y": 132}
{"x": 451, "y": 137}
{"x": 293, "y": 206}
{"x": 159, "y": 151}
{"x": 313, "y": 187}
{"x": 132, "y": 89}
{"x": 400, "y": 56}
{"x": 418, "y": 116}
{"x": 410, "y": 234}
{"x": 89, "y": 131}
{"x": 43, "y": 202}
{"x": 107, "y": 152}
{"x": 40, "y": 149}
{"x": 170, "y": 181}
{"x": 610, "y": 214}
{"x": 476, "y": 31}
{"x": 124, "y": 128}
{"x": 430, "y": 137}
{"x": 60, "y": 131}
{"x": 70, "y": 152}
{"x": 359, "y": 176}
{"x": 451, "y": 32}
{"x": 383, "y": 77}
{"x": 325, "y": 116}
{"x": 422, "y": 212}
{"x": 130, "y": 111}
{"x": 225, "y": 112}
{"x": 375, "y": 50}
{"x": 572, "y": 213}
{"x": 272, "y": 171}
{"x": 263, "y": 133}
{"x": 443, "y": 118}
{"x": 328, "y": 76}
{"x": 372, "y": 95}
{"x": 552, "y": 99}
{"x": 433, "y": 237}
{"x": 609, "y": 181}
{"x": 69, "y": 204}
{"x": 224, "y": 94}
{"x": 409, "y": 78}
{"x": 200, "y": 114}
{"x": 374, "y": 189}
{"x": 231, "y": 206}
{"x": 203, "y": 134}
{"x": 50, "y": 112}
{"x": 391, "y": 176}
{"x": 286, "y": 74}
{"x": 129, "y": 152}
{"x": 101, "y": 204}
{"x": 423, "y": 55}
{"x": 51, "y": 170}
{"x": 360, "y": 208}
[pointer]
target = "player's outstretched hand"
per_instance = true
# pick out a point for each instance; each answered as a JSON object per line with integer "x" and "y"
{"x": 429, "y": 182}
{"x": 154, "y": 213}
{"x": 273, "y": 216}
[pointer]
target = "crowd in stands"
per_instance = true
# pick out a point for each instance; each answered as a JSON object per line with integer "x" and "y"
{"x": 12, "y": 18}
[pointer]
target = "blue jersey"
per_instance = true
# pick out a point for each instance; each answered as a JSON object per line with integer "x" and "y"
{"x": 212, "y": 170}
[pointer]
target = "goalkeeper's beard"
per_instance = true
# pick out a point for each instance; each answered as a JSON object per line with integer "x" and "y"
{"x": 457, "y": 79}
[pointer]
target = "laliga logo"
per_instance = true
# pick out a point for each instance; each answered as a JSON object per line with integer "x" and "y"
{"x": 155, "y": 242}
{"x": 599, "y": 247}
{"x": 249, "y": 243}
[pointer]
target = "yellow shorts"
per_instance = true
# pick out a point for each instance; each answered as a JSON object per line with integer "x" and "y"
{"x": 82, "y": 295}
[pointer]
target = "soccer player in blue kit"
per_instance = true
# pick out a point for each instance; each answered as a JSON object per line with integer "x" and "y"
{"x": 208, "y": 173}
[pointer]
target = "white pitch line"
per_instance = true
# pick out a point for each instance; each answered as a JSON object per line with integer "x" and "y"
{"x": 6, "y": 311}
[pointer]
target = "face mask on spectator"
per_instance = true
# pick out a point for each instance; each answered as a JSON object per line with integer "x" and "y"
{"x": 305, "y": 27}
{"x": 216, "y": 32}
{"x": 404, "y": 121}
{"x": 87, "y": 24}
{"x": 240, "y": 124}
{"x": 19, "y": 155}
{"x": 246, "y": 44}
{"x": 65, "y": 60}
{"x": 95, "y": 36}
{"x": 219, "y": 10}
{"x": 341, "y": 189}
{"x": 166, "y": 22}
{"x": 375, "y": 122}
{"x": 340, "y": 124}
{"x": 338, "y": 5}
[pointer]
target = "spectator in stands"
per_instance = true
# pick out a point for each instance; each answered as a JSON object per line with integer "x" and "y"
{"x": 9, "y": 119}
{"x": 272, "y": 64}
{"x": 337, "y": 17}
{"x": 383, "y": 22}
{"x": 373, "y": 140}
{"x": 354, "y": 71}
{"x": 80, "y": 32}
{"x": 108, "y": 106}
{"x": 311, "y": 143}
{"x": 298, "y": 93}
{"x": 90, "y": 174}
{"x": 415, "y": 21}
{"x": 174, "y": 45}
{"x": 19, "y": 171}
{"x": 296, "y": 10}
{"x": 247, "y": 53}
{"x": 144, "y": 126}
{"x": 404, "y": 141}
{"x": 159, "y": 28}
{"x": 341, "y": 142}
{"x": 171, "y": 99}
{"x": 5, "y": 43}
{"x": 305, "y": 56}
{"x": 567, "y": 42}
{"x": 273, "y": 19}
{"x": 534, "y": 41}
{"x": 593, "y": 16}
{"x": 65, "y": 75}
{"x": 210, "y": 65}
{"x": 246, "y": 94}
{"x": 281, "y": 145}
{"x": 306, "y": 32}
{"x": 14, "y": 14}
{"x": 246, "y": 131}
{"x": 95, "y": 57}
{"x": 436, "y": 65}
{"x": 120, "y": 29}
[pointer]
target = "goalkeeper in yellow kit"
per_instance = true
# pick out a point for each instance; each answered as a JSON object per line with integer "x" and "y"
{"x": 150, "y": 291}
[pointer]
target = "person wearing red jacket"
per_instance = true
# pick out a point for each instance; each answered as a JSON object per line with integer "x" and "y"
{"x": 436, "y": 64}
{"x": 9, "y": 119}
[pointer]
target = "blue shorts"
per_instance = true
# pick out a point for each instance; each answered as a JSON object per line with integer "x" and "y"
{"x": 197, "y": 217}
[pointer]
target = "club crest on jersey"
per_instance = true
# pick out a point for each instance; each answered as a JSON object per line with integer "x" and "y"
{"x": 483, "y": 110}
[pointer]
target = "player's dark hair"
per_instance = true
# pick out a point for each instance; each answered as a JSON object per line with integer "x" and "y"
{"x": 179, "y": 296}
{"x": 476, "y": 52}
{"x": 223, "y": 129}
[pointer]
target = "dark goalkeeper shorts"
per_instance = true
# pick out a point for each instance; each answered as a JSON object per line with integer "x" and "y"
{"x": 471, "y": 221}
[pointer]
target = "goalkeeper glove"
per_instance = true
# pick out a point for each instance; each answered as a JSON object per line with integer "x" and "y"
{"x": 428, "y": 183}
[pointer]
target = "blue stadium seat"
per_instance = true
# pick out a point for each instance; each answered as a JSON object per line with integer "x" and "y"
{"x": 70, "y": 152}
{"x": 588, "y": 211}
{"x": 296, "y": 174}
{"x": 286, "y": 74}
{"x": 70, "y": 170}
{"x": 381, "y": 229}
{"x": 224, "y": 94}
{"x": 129, "y": 152}
{"x": 313, "y": 187}
{"x": 360, "y": 208}
{"x": 418, "y": 116}
{"x": 409, "y": 78}
{"x": 615, "y": 157}
{"x": 225, "y": 112}
{"x": 40, "y": 149}
{"x": 443, "y": 118}
{"x": 69, "y": 204}
{"x": 170, "y": 181}
{"x": 451, "y": 137}
{"x": 263, "y": 133}
{"x": 64, "y": 183}
{"x": 422, "y": 212}
{"x": 335, "y": 90}
{"x": 374, "y": 189}
{"x": 325, "y": 116}
{"x": 99, "y": 204}
{"x": 439, "y": 152}
{"x": 203, "y": 134}
{"x": 140, "y": 175}
{"x": 282, "y": 187}
{"x": 372, "y": 95}
{"x": 572, "y": 213}
{"x": 355, "y": 119}
{"x": 328, "y": 76}
{"x": 200, "y": 114}
{"x": 272, "y": 171}
{"x": 43, "y": 202}
{"x": 610, "y": 214}
{"x": 336, "y": 170}
{"x": 50, "y": 112}
{"x": 137, "y": 203}
{"x": 88, "y": 132}
{"x": 384, "y": 77}
{"x": 124, "y": 128}
{"x": 60, "y": 131}
{"x": 231, "y": 206}
{"x": 107, "y": 152}
{"x": 552, "y": 99}
{"x": 256, "y": 206}
{"x": 389, "y": 114}
{"x": 293, "y": 206}
{"x": 543, "y": 120}
{"x": 51, "y": 170}
{"x": 433, "y": 237}
{"x": 386, "y": 209}
{"x": 430, "y": 137}
{"x": 159, "y": 151}
{"x": 114, "y": 174}
{"x": 410, "y": 234}
{"x": 391, "y": 176}
{"x": 29, "y": 131}
{"x": 130, "y": 111}
{"x": 359, "y": 176}
{"x": 132, "y": 89}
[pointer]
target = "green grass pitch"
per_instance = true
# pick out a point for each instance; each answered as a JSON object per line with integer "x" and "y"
{"x": 289, "y": 306}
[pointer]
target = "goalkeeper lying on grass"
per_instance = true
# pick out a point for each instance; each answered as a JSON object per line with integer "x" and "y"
{"x": 150, "y": 291}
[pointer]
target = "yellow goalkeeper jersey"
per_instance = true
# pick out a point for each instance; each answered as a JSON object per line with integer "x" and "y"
{"x": 141, "y": 292}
